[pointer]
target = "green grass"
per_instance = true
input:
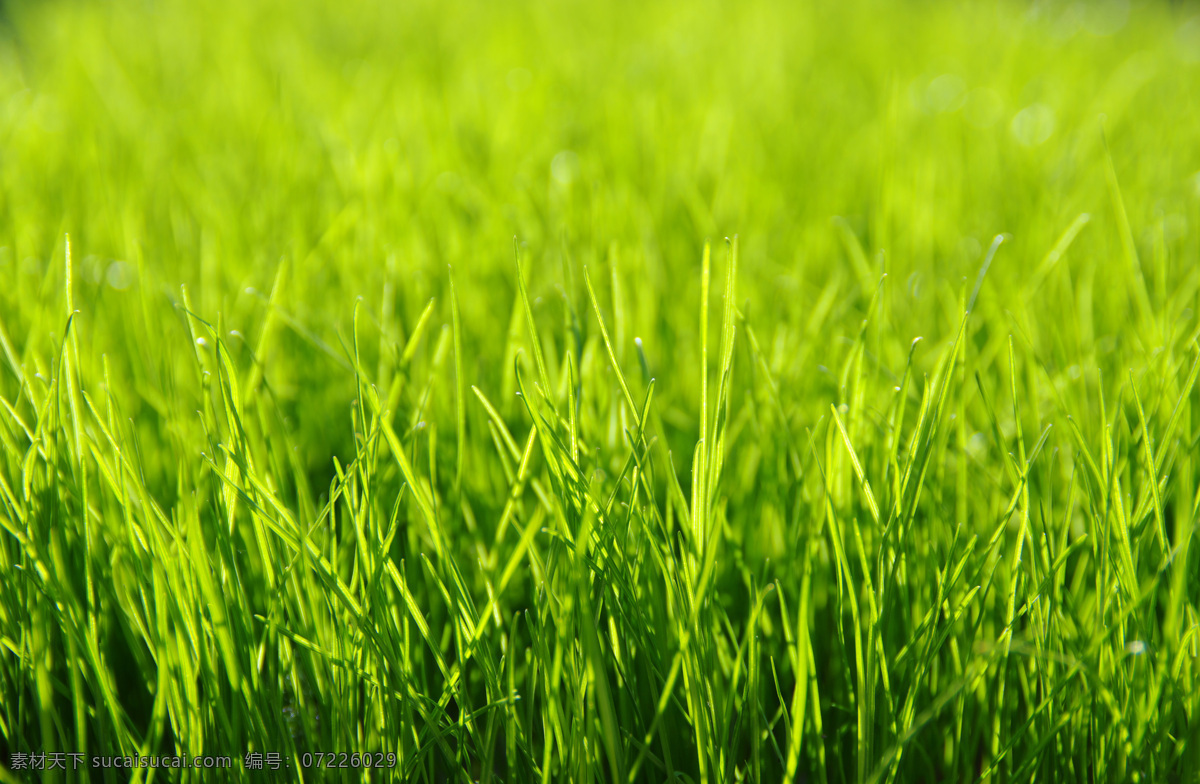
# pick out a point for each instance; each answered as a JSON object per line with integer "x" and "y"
{"x": 300, "y": 451}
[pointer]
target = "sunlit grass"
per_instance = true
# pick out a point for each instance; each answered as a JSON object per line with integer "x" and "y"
{"x": 831, "y": 417}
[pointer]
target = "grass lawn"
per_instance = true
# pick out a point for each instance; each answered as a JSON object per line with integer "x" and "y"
{"x": 616, "y": 391}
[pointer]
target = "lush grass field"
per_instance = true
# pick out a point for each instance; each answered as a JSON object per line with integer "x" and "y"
{"x": 300, "y": 452}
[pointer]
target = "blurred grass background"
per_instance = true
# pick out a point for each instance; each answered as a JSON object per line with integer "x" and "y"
{"x": 285, "y": 161}
{"x": 370, "y": 146}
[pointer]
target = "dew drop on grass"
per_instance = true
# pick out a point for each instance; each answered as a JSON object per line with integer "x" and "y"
{"x": 118, "y": 275}
{"x": 1106, "y": 17}
{"x": 1188, "y": 39}
{"x": 914, "y": 285}
{"x": 564, "y": 168}
{"x": 518, "y": 79}
{"x": 93, "y": 270}
{"x": 1174, "y": 227}
{"x": 970, "y": 248}
{"x": 983, "y": 107}
{"x": 946, "y": 93}
{"x": 1033, "y": 125}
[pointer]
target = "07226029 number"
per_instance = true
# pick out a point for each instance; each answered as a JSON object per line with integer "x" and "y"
{"x": 334, "y": 759}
